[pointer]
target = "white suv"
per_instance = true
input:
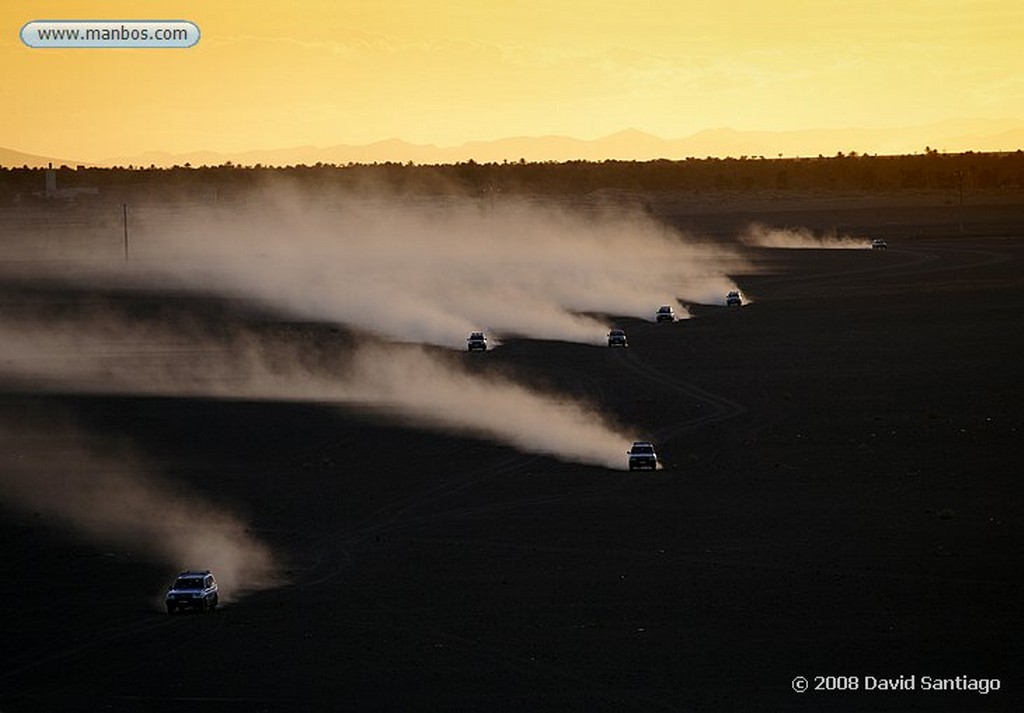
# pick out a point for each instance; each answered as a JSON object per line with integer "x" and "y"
{"x": 477, "y": 342}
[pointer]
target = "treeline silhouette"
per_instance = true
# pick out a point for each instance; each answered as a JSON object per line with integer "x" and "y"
{"x": 930, "y": 170}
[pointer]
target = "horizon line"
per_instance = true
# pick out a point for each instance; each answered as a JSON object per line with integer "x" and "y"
{"x": 717, "y": 142}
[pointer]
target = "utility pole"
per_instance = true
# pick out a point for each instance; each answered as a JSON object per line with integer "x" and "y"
{"x": 124, "y": 218}
{"x": 960, "y": 186}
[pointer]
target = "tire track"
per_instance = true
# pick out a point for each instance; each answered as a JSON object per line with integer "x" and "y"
{"x": 719, "y": 407}
{"x": 928, "y": 258}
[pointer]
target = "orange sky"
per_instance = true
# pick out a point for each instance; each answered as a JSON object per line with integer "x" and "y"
{"x": 321, "y": 72}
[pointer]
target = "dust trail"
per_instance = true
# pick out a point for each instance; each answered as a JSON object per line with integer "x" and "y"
{"x": 428, "y": 274}
{"x": 425, "y": 388}
{"x": 761, "y": 236}
{"x": 49, "y": 464}
{"x": 97, "y": 352}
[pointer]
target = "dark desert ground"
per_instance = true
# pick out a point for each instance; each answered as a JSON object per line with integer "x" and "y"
{"x": 841, "y": 496}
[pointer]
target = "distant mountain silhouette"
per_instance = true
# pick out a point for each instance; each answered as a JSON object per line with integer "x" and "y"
{"x": 948, "y": 136}
{"x": 16, "y": 159}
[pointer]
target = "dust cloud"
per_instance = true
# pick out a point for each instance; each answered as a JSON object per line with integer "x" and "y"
{"x": 424, "y": 386}
{"x": 410, "y": 271}
{"x": 430, "y": 272}
{"x": 413, "y": 279}
{"x": 761, "y": 236}
{"x": 102, "y": 352}
{"x": 105, "y": 490}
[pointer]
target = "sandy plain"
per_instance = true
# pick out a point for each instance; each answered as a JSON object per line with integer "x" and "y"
{"x": 841, "y": 497}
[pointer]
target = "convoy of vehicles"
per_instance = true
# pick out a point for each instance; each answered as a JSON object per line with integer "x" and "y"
{"x": 198, "y": 590}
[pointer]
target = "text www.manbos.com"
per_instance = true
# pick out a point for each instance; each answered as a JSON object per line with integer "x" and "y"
{"x": 112, "y": 33}
{"x": 117, "y": 34}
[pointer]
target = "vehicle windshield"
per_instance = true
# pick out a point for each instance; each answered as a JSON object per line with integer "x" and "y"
{"x": 189, "y": 583}
{"x": 643, "y": 450}
{"x": 664, "y": 310}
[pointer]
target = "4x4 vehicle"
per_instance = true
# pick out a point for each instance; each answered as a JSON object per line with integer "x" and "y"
{"x": 477, "y": 341}
{"x": 665, "y": 314}
{"x": 617, "y": 338}
{"x": 879, "y": 244}
{"x": 733, "y": 299}
{"x": 642, "y": 455}
{"x": 193, "y": 590}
